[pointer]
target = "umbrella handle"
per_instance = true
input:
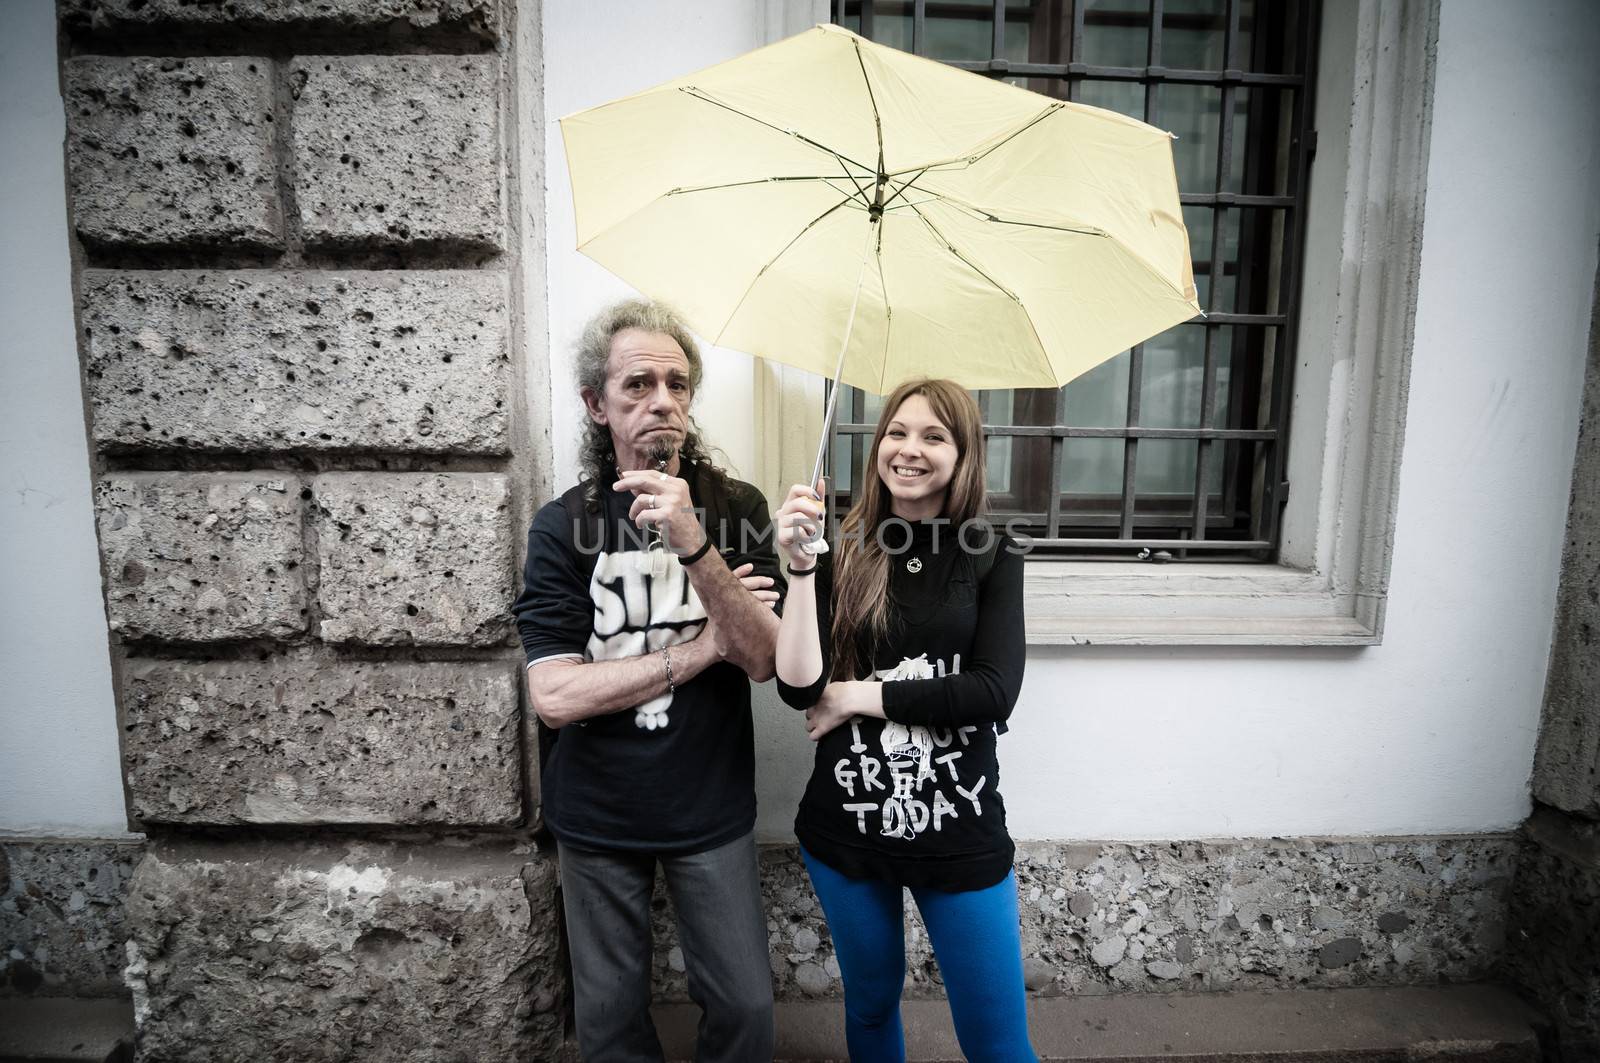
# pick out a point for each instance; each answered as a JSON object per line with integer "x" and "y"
{"x": 819, "y": 545}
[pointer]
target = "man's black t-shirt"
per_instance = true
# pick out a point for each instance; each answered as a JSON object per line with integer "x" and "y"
{"x": 678, "y": 772}
{"x": 914, "y": 799}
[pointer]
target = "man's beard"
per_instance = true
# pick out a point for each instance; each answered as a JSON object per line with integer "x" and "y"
{"x": 661, "y": 452}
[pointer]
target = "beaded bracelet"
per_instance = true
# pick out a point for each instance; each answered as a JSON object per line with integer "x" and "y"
{"x": 667, "y": 657}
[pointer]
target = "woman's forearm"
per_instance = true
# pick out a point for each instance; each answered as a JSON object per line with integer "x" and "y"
{"x": 799, "y": 653}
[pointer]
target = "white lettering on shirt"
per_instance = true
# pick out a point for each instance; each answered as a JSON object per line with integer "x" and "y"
{"x": 641, "y": 606}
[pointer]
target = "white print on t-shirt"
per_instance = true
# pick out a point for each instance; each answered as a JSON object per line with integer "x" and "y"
{"x": 906, "y": 768}
{"x": 641, "y": 605}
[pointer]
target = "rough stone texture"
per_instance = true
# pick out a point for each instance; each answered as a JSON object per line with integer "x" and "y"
{"x": 1265, "y": 913}
{"x": 1100, "y": 918}
{"x": 1555, "y": 919}
{"x": 62, "y": 929}
{"x": 203, "y": 556}
{"x": 298, "y": 361}
{"x": 172, "y": 152}
{"x": 471, "y": 19}
{"x": 398, "y": 151}
{"x": 257, "y": 950}
{"x": 420, "y": 559}
{"x": 306, "y": 740}
{"x": 1566, "y": 770}
{"x": 1555, "y": 915}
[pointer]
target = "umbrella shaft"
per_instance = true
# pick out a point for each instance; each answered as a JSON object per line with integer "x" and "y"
{"x": 838, "y": 369}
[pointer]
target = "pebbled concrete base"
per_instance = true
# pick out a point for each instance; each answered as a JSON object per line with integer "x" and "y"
{"x": 62, "y": 919}
{"x": 1476, "y": 1023}
{"x": 1267, "y": 914}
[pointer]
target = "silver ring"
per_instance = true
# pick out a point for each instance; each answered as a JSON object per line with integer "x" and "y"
{"x": 650, "y": 502}
{"x": 664, "y": 477}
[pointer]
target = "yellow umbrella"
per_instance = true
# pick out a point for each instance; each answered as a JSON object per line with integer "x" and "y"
{"x": 851, "y": 209}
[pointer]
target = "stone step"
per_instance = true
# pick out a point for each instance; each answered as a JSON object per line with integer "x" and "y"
{"x": 1458, "y": 1024}
{"x": 65, "y": 1030}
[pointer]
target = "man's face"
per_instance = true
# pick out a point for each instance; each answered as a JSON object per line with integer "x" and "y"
{"x": 647, "y": 394}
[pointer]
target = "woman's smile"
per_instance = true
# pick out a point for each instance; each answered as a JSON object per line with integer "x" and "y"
{"x": 916, "y": 458}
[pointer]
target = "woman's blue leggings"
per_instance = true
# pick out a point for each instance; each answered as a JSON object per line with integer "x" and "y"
{"x": 975, "y": 939}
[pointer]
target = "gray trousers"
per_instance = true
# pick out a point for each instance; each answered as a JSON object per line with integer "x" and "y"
{"x": 721, "y": 927}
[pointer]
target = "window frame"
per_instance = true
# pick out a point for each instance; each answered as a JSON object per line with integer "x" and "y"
{"x": 1346, "y": 421}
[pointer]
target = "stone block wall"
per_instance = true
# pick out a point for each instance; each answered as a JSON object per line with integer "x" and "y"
{"x": 344, "y": 950}
{"x": 303, "y": 363}
{"x": 1555, "y": 952}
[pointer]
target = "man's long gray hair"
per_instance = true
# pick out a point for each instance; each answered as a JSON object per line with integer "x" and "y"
{"x": 597, "y": 457}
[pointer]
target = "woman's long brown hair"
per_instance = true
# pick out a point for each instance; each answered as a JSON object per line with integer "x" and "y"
{"x": 861, "y": 580}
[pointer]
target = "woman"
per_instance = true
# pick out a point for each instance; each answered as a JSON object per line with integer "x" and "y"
{"x": 904, "y": 644}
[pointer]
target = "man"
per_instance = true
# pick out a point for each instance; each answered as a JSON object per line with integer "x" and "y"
{"x": 639, "y": 639}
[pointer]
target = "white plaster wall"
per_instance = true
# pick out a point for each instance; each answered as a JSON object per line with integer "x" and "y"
{"x": 1432, "y": 732}
{"x": 597, "y": 51}
{"x": 59, "y": 771}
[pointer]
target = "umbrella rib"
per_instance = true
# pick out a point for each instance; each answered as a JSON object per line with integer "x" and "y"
{"x": 824, "y": 178}
{"x": 1104, "y": 235}
{"x": 1037, "y": 224}
{"x": 1021, "y": 306}
{"x": 699, "y": 95}
{"x": 906, "y": 187}
{"x": 861, "y": 193}
{"x": 762, "y": 272}
{"x": 952, "y": 249}
{"x": 877, "y": 120}
{"x": 1029, "y": 124}
{"x": 968, "y": 160}
{"x": 1082, "y": 230}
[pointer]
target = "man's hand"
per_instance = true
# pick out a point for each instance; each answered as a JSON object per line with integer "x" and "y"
{"x": 663, "y": 501}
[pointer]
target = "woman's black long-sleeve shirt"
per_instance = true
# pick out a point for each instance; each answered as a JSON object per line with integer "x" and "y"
{"x": 915, "y": 799}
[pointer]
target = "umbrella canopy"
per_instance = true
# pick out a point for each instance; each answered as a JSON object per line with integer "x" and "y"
{"x": 969, "y": 228}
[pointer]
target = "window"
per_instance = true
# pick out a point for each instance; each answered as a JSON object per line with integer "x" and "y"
{"x": 1177, "y": 448}
{"x": 1349, "y": 310}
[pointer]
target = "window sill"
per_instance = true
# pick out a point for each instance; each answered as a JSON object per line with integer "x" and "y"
{"x": 1085, "y": 603}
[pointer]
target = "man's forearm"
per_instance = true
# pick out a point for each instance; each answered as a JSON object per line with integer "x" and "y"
{"x": 749, "y": 629}
{"x": 567, "y": 691}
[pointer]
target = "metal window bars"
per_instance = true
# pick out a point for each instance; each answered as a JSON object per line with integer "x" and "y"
{"x": 1257, "y": 195}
